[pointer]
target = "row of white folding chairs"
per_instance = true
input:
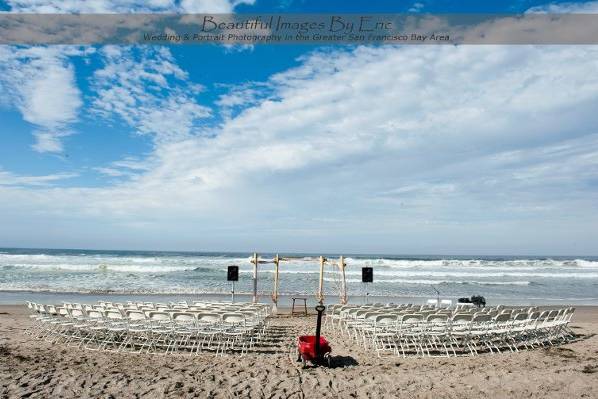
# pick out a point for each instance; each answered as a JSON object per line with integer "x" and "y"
{"x": 424, "y": 334}
{"x": 109, "y": 329}
{"x": 347, "y": 314}
{"x": 186, "y": 305}
{"x": 339, "y": 312}
{"x": 81, "y": 327}
{"x": 264, "y": 310}
{"x": 256, "y": 313}
{"x": 538, "y": 327}
{"x": 176, "y": 305}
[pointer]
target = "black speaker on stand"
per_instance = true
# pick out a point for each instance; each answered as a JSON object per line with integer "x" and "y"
{"x": 367, "y": 277}
{"x": 232, "y": 275}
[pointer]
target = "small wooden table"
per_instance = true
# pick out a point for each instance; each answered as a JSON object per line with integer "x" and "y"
{"x": 299, "y": 298}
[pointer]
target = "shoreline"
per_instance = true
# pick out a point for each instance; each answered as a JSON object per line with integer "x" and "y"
{"x": 48, "y": 297}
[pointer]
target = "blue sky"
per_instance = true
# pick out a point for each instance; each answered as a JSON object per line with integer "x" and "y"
{"x": 434, "y": 149}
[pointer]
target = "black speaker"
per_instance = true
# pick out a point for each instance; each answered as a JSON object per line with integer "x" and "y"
{"x": 367, "y": 274}
{"x": 232, "y": 273}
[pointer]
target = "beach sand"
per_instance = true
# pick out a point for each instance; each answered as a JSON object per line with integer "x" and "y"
{"x": 38, "y": 369}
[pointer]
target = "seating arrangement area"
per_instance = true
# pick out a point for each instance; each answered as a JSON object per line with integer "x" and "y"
{"x": 153, "y": 327}
{"x": 437, "y": 330}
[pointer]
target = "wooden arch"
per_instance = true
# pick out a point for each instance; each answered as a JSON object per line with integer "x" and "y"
{"x": 255, "y": 260}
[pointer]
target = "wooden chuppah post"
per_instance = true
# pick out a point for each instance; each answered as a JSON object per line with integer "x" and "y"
{"x": 343, "y": 293}
{"x": 275, "y": 288}
{"x": 255, "y": 263}
{"x": 321, "y": 285}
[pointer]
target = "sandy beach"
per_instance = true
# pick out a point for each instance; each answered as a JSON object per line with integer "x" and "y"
{"x": 38, "y": 369}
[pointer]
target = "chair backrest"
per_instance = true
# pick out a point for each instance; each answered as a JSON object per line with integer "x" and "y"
{"x": 520, "y": 316}
{"x": 95, "y": 314}
{"x": 569, "y": 314}
{"x": 385, "y": 319}
{"x": 135, "y": 315}
{"x": 113, "y": 314}
{"x": 534, "y": 315}
{"x": 544, "y": 316}
{"x": 351, "y": 312}
{"x": 437, "y": 318}
{"x": 209, "y": 317}
{"x": 481, "y": 318}
{"x": 332, "y": 308}
{"x": 183, "y": 317}
{"x": 445, "y": 311}
{"x": 159, "y": 316}
{"x": 503, "y": 317}
{"x": 411, "y": 318}
{"x": 462, "y": 318}
{"x": 552, "y": 314}
{"x": 250, "y": 314}
{"x": 371, "y": 315}
{"x": 233, "y": 318}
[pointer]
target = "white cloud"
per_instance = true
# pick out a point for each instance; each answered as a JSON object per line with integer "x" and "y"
{"x": 128, "y": 167}
{"x": 125, "y": 6}
{"x": 416, "y": 7}
{"x": 589, "y": 7}
{"x": 242, "y": 96}
{"x": 147, "y": 89}
{"x": 212, "y": 6}
{"x": 40, "y": 83}
{"x": 10, "y": 179}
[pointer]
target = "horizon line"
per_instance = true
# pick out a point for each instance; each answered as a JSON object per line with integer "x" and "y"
{"x": 230, "y": 252}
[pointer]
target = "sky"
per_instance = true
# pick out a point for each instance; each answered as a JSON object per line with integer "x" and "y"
{"x": 300, "y": 148}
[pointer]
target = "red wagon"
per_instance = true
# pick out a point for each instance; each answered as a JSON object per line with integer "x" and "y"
{"x": 314, "y": 348}
{"x": 307, "y": 347}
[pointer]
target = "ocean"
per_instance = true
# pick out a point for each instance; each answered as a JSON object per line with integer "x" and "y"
{"x": 500, "y": 279}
